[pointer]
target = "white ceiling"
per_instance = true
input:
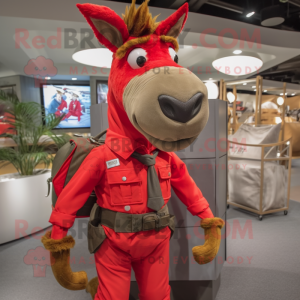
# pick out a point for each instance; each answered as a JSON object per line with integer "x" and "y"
{"x": 42, "y": 18}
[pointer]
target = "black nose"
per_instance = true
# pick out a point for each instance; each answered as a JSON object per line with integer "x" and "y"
{"x": 180, "y": 111}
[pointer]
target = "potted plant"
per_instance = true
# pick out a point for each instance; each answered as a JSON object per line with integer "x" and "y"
{"x": 23, "y": 207}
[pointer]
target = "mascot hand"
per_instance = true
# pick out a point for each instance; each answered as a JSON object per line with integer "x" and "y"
{"x": 60, "y": 262}
{"x": 206, "y": 253}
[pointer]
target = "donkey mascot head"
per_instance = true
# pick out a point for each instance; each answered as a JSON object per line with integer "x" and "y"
{"x": 151, "y": 97}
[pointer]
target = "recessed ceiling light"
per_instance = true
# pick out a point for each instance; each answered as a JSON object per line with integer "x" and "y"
{"x": 74, "y": 78}
{"x": 265, "y": 91}
{"x": 281, "y": 94}
{"x": 254, "y": 86}
{"x": 293, "y": 94}
{"x": 237, "y": 51}
{"x": 244, "y": 83}
{"x": 238, "y": 65}
{"x": 47, "y": 78}
{"x": 250, "y": 14}
{"x": 272, "y": 16}
{"x": 98, "y": 57}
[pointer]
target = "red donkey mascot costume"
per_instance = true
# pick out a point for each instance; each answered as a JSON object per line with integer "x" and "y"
{"x": 155, "y": 107}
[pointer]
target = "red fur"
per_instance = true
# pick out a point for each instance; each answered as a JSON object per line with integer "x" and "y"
{"x": 165, "y": 26}
{"x": 120, "y": 75}
{"x": 121, "y": 72}
{"x": 108, "y": 15}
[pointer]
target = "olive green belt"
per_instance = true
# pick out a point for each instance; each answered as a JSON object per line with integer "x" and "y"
{"x": 123, "y": 222}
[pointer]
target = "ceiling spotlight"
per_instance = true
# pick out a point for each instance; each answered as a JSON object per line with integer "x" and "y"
{"x": 293, "y": 94}
{"x": 210, "y": 79}
{"x": 265, "y": 91}
{"x": 272, "y": 16}
{"x": 47, "y": 78}
{"x": 244, "y": 83}
{"x": 255, "y": 90}
{"x": 280, "y": 100}
{"x": 281, "y": 94}
{"x": 213, "y": 90}
{"x": 237, "y": 51}
{"x": 230, "y": 97}
{"x": 254, "y": 86}
{"x": 250, "y": 14}
{"x": 74, "y": 78}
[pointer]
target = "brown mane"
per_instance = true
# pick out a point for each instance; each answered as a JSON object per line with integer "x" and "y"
{"x": 139, "y": 21}
{"x": 141, "y": 25}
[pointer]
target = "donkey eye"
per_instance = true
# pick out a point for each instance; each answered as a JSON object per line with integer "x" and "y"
{"x": 173, "y": 54}
{"x": 137, "y": 58}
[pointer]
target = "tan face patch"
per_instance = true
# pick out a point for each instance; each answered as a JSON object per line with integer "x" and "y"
{"x": 140, "y": 100}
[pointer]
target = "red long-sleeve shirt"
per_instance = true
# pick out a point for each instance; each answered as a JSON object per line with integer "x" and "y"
{"x": 123, "y": 187}
{"x": 62, "y": 105}
{"x": 75, "y": 107}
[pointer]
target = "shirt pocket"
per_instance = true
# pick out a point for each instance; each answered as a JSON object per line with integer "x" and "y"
{"x": 125, "y": 187}
{"x": 164, "y": 180}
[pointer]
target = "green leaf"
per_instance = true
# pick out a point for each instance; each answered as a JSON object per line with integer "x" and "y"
{"x": 33, "y": 135}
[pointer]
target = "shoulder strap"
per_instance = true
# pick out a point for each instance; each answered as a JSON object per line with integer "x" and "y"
{"x": 97, "y": 139}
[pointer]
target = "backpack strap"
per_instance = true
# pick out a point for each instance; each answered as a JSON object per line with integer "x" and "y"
{"x": 96, "y": 139}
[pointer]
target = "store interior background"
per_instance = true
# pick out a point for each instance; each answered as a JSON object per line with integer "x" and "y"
{"x": 273, "y": 272}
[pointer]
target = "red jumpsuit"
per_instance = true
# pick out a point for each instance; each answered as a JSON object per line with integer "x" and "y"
{"x": 61, "y": 106}
{"x": 147, "y": 252}
{"x": 74, "y": 110}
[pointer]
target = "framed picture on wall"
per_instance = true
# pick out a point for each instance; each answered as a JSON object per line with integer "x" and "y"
{"x": 102, "y": 90}
{"x": 72, "y": 101}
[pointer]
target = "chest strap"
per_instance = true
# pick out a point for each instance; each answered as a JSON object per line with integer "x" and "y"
{"x": 123, "y": 222}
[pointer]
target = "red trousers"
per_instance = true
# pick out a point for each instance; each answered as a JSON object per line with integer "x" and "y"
{"x": 58, "y": 113}
{"x": 75, "y": 114}
{"x": 146, "y": 252}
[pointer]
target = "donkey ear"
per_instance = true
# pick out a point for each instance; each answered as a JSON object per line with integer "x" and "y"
{"x": 109, "y": 28}
{"x": 174, "y": 24}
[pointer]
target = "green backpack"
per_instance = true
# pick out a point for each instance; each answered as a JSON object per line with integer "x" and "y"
{"x": 66, "y": 163}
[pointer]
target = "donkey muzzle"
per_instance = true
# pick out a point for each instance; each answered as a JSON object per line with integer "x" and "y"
{"x": 169, "y": 106}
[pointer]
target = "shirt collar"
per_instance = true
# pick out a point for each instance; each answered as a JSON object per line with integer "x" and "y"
{"x": 124, "y": 146}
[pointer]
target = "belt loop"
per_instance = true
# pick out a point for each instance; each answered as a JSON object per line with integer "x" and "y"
{"x": 157, "y": 221}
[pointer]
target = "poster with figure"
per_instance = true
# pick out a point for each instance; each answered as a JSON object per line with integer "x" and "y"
{"x": 72, "y": 102}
